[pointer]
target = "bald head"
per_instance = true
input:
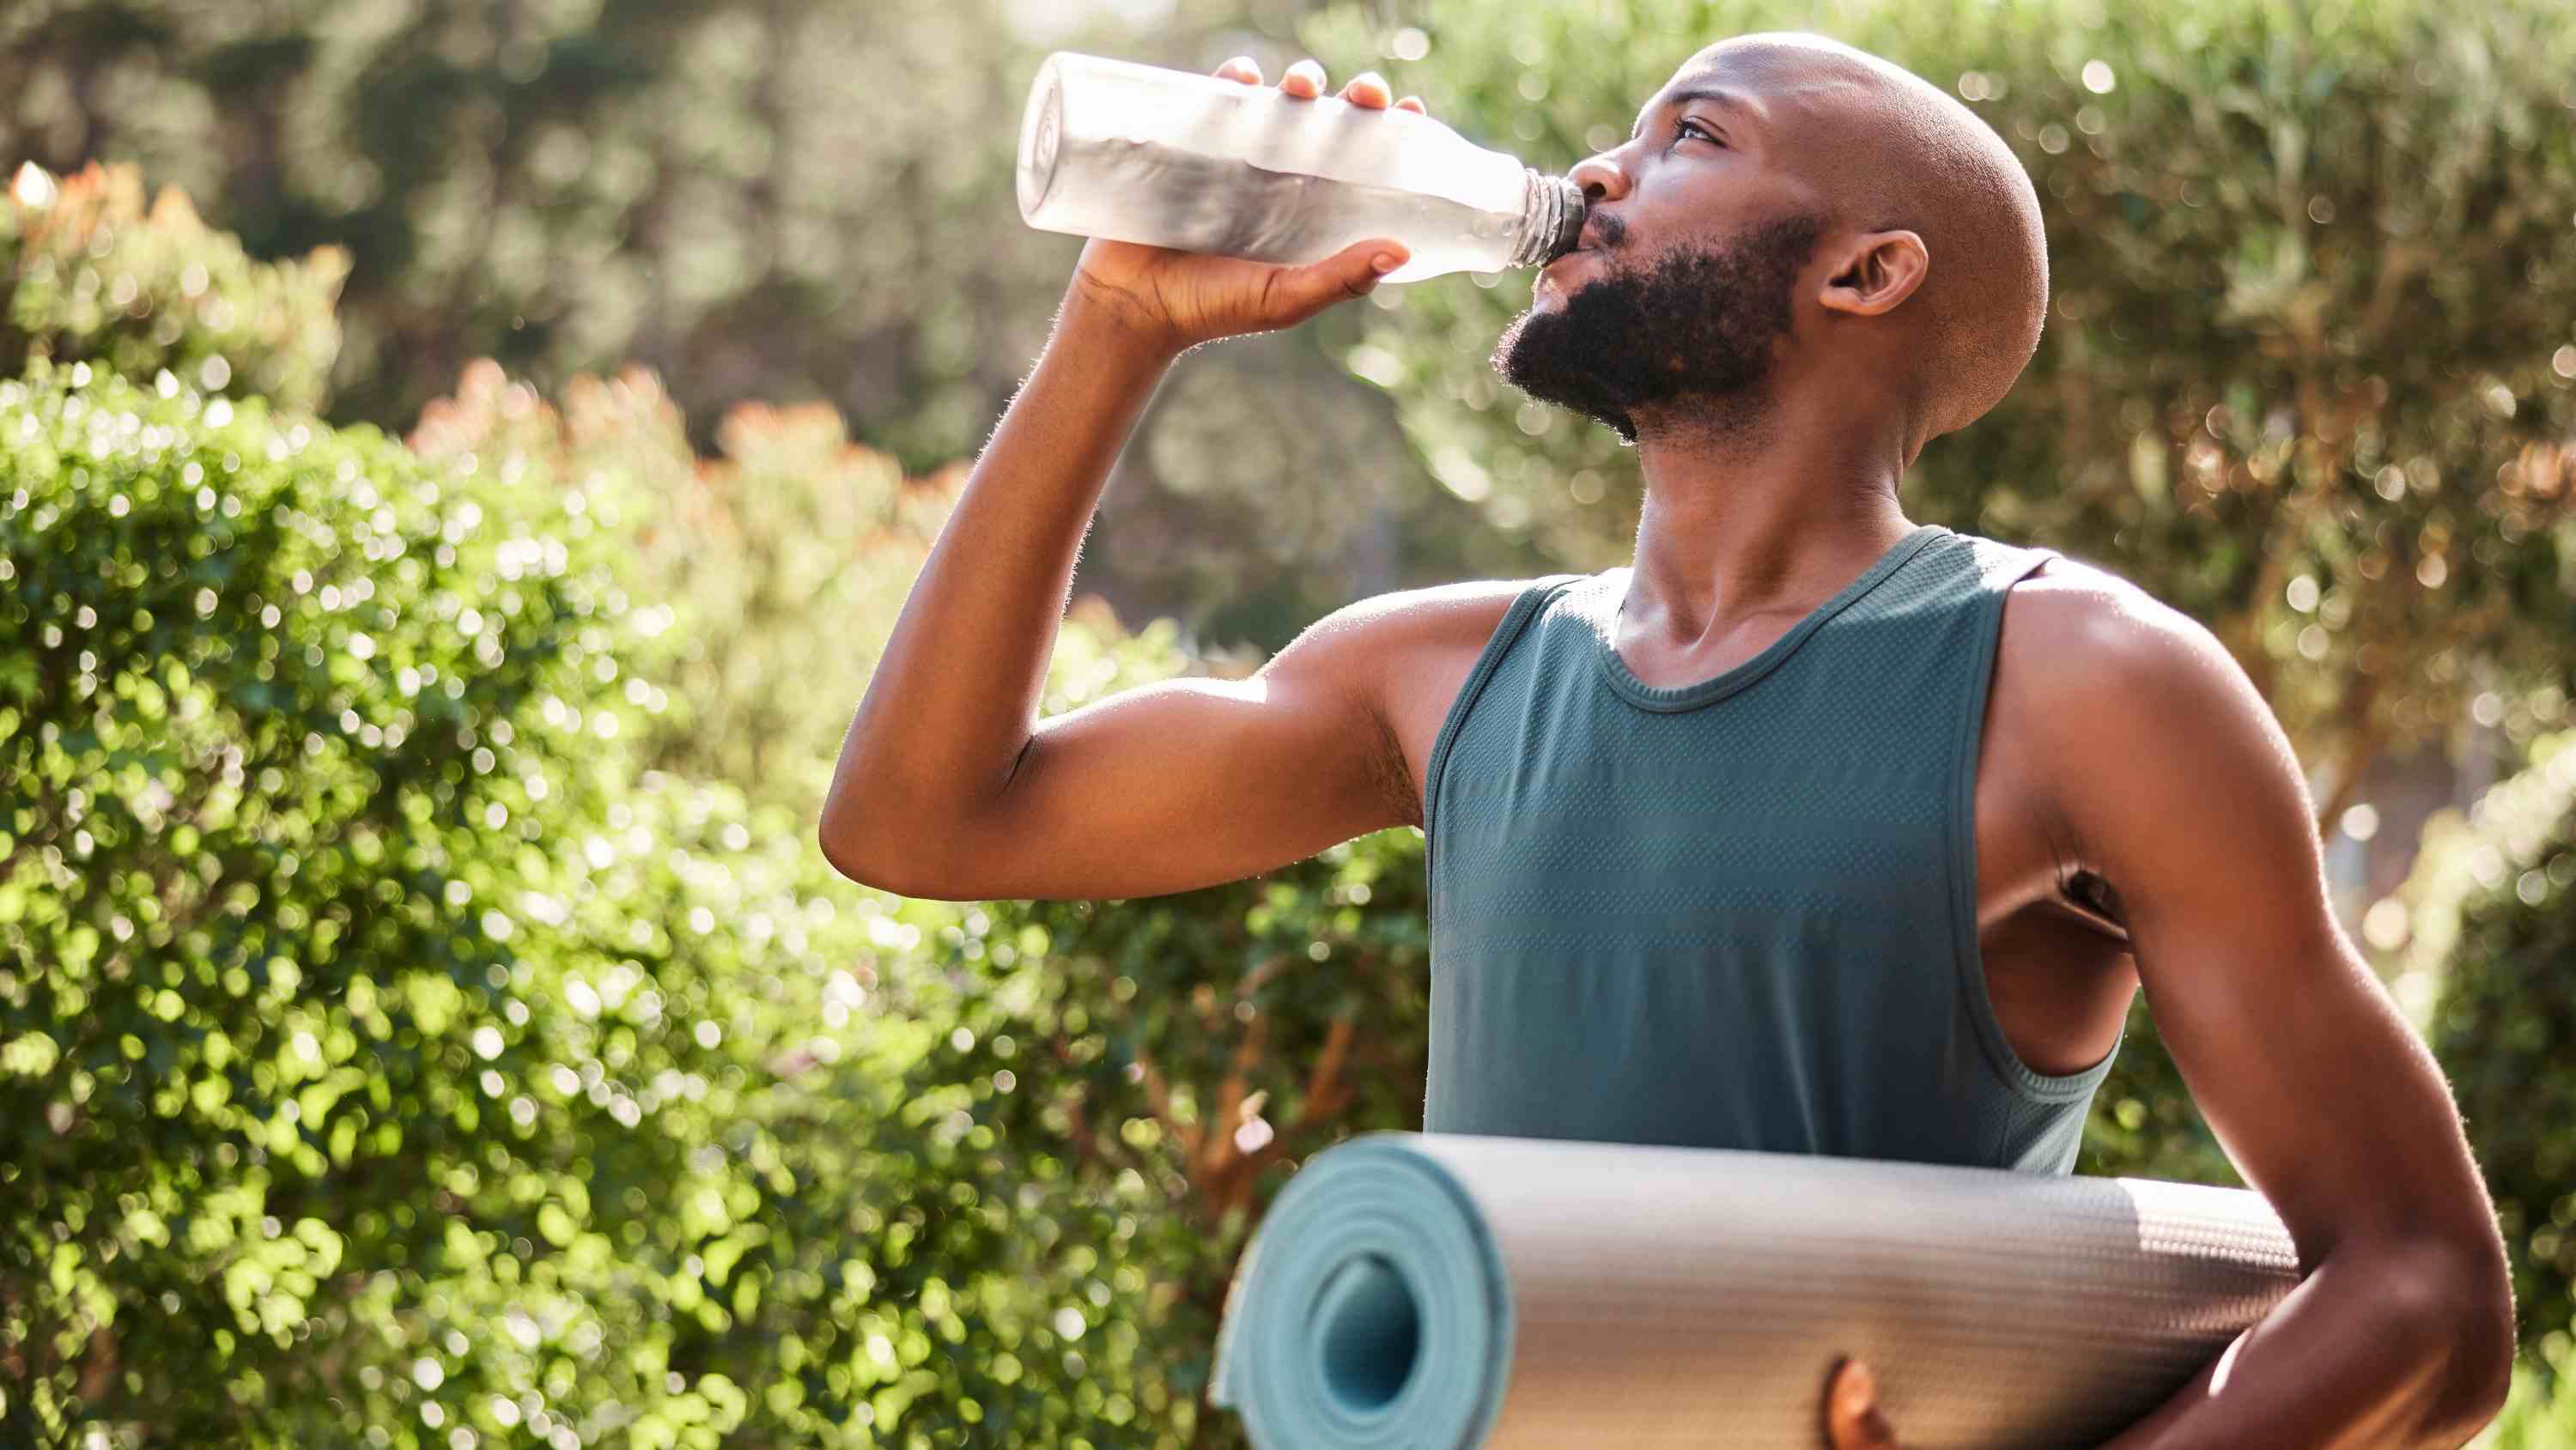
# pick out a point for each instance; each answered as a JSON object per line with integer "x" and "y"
{"x": 1881, "y": 149}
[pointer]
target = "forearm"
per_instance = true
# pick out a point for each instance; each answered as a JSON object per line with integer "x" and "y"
{"x": 955, "y": 694}
{"x": 2364, "y": 1353}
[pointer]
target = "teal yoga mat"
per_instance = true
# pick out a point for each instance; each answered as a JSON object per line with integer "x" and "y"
{"x": 1432, "y": 1291}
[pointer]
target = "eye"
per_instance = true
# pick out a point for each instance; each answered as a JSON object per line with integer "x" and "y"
{"x": 1694, "y": 128}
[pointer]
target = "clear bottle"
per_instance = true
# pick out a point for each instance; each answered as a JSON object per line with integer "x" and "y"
{"x": 1137, "y": 153}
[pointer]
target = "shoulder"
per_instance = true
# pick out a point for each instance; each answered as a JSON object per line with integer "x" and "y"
{"x": 2077, "y": 629}
{"x": 2092, "y": 669}
{"x": 1408, "y": 626}
{"x": 1398, "y": 659}
{"x": 1388, "y": 649}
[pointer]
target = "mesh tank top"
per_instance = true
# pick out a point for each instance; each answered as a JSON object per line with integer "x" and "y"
{"x": 1739, "y": 913}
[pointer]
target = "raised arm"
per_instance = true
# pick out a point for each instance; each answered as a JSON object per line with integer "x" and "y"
{"x": 946, "y": 786}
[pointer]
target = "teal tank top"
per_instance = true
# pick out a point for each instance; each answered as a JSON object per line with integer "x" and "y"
{"x": 1739, "y": 913}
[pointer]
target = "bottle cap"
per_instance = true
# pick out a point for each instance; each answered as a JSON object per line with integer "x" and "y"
{"x": 1554, "y": 223}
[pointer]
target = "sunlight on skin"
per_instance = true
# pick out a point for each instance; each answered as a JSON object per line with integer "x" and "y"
{"x": 2226, "y": 1363}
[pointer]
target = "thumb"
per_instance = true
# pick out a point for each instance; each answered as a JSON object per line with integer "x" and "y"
{"x": 1354, "y": 271}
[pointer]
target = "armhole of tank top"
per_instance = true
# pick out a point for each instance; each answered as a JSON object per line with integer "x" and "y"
{"x": 1966, "y": 954}
{"x": 1514, "y": 620}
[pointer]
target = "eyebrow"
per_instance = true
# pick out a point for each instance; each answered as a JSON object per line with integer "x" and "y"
{"x": 1726, "y": 98}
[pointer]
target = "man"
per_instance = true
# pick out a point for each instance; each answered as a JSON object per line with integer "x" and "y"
{"x": 1811, "y": 830}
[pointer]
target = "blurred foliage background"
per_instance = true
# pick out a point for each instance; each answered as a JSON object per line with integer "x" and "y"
{"x": 438, "y": 581}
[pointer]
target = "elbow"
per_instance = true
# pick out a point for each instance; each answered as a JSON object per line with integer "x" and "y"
{"x": 839, "y": 835}
{"x": 832, "y": 836}
{"x": 2477, "y": 1378}
{"x": 837, "y": 855}
{"x": 862, "y": 849}
{"x": 2484, "y": 1371}
{"x": 2461, "y": 1304}
{"x": 910, "y": 841}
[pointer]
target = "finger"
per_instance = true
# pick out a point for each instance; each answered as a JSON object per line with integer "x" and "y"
{"x": 1413, "y": 104}
{"x": 1838, "y": 1410}
{"x": 1368, "y": 88}
{"x": 1304, "y": 80}
{"x": 1853, "y": 1419}
{"x": 1242, "y": 68}
{"x": 1301, "y": 292}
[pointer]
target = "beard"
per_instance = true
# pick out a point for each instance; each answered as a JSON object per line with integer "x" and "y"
{"x": 1694, "y": 326}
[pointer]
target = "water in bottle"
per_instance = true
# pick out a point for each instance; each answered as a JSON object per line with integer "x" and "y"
{"x": 1137, "y": 153}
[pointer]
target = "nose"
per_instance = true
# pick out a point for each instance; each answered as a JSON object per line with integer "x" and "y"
{"x": 1601, "y": 177}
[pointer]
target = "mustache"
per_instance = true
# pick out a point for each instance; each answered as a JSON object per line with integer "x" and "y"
{"x": 1604, "y": 230}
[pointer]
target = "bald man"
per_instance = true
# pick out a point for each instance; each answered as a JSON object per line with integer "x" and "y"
{"x": 1810, "y": 830}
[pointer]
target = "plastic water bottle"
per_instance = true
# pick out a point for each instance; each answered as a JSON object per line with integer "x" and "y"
{"x": 1138, "y": 153}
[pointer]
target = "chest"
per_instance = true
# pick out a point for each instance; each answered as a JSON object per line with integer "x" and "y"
{"x": 1696, "y": 828}
{"x": 1868, "y": 779}
{"x": 1862, "y": 810}
{"x": 1883, "y": 804}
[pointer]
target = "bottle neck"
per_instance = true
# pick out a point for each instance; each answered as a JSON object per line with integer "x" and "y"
{"x": 1551, "y": 219}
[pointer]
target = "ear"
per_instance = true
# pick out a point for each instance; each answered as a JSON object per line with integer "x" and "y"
{"x": 1876, "y": 271}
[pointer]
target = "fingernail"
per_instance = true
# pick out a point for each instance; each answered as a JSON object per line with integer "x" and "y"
{"x": 1385, "y": 262}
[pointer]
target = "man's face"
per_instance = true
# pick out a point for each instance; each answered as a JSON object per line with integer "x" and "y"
{"x": 1692, "y": 251}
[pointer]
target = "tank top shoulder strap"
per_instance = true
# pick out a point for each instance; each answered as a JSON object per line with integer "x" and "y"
{"x": 2001, "y": 566}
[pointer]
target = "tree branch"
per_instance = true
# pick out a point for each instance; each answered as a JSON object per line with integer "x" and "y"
{"x": 1159, "y": 1094}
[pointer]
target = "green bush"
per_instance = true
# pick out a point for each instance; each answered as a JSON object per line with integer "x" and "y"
{"x": 369, "y": 1052}
{"x": 1023, "y": 1142}
{"x": 91, "y": 275}
{"x": 777, "y": 569}
{"x": 2505, "y": 1029}
{"x": 1162, "y": 1067}
{"x": 2537, "y": 1414}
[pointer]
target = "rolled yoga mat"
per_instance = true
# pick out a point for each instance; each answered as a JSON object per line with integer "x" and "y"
{"x": 1446, "y": 1290}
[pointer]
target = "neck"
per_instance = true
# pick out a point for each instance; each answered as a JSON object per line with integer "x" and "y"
{"x": 1770, "y": 514}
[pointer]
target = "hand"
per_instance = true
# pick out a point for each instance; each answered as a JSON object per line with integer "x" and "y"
{"x": 1853, "y": 1420}
{"x": 1177, "y": 300}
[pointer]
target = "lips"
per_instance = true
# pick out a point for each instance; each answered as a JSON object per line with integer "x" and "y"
{"x": 1600, "y": 229}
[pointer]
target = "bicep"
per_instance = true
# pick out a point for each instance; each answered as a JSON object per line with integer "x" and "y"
{"x": 1188, "y": 783}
